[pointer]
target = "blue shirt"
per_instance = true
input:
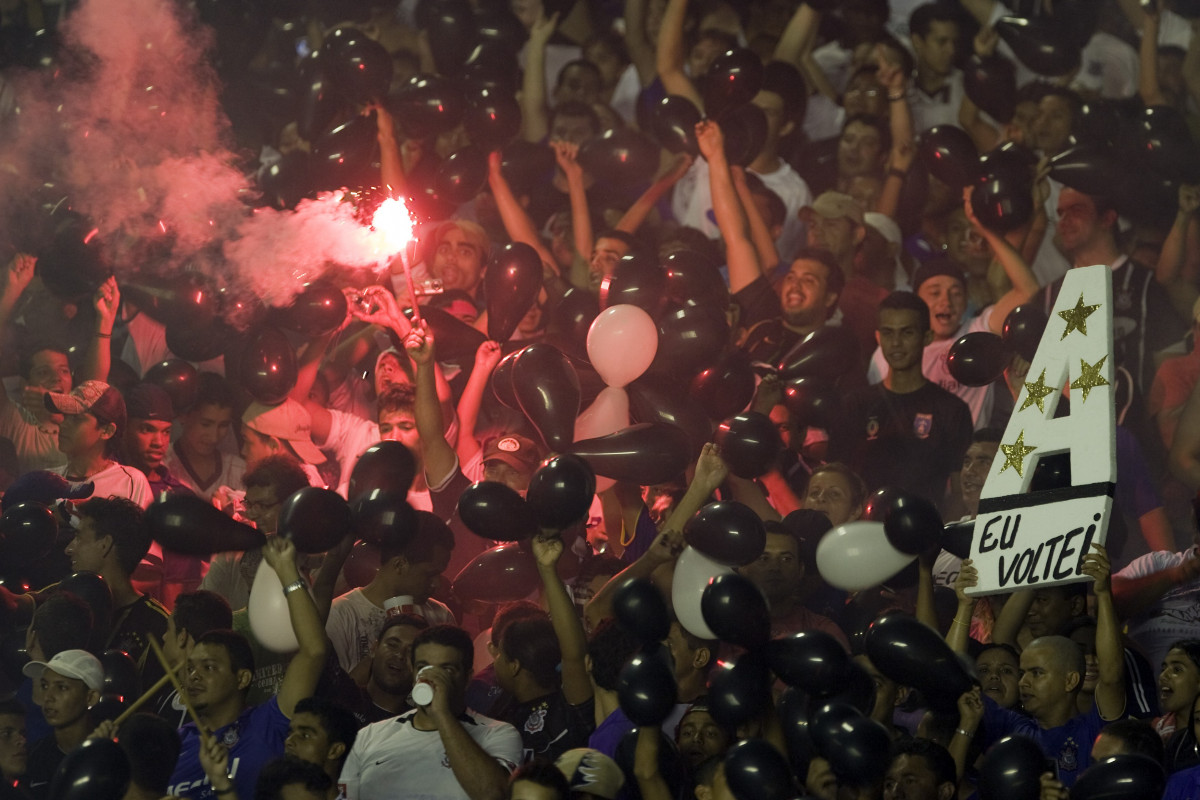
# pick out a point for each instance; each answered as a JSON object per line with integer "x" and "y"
{"x": 608, "y": 734}
{"x": 1183, "y": 785}
{"x": 1070, "y": 745}
{"x": 253, "y": 739}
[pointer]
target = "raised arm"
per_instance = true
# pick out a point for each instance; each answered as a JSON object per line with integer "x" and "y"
{"x": 308, "y": 364}
{"x": 641, "y": 49}
{"x": 904, "y": 148}
{"x": 1148, "y": 88}
{"x": 1132, "y": 596}
{"x": 1024, "y": 282}
{"x": 535, "y": 120}
{"x": 304, "y": 670}
{"x": 391, "y": 165}
{"x": 486, "y": 359}
{"x": 572, "y": 644}
{"x": 1171, "y": 269}
{"x": 740, "y": 254}
{"x": 670, "y": 55}
{"x": 566, "y": 155}
{"x": 516, "y": 220}
{"x": 799, "y": 36}
{"x": 1185, "y": 450}
{"x": 959, "y": 635}
{"x": 760, "y": 234}
{"x": 641, "y": 208}
{"x": 98, "y": 360}
{"x": 14, "y": 279}
{"x": 1110, "y": 653}
{"x": 437, "y": 453}
{"x": 478, "y": 773}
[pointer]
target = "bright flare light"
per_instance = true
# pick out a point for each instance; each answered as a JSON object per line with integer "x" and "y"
{"x": 394, "y": 222}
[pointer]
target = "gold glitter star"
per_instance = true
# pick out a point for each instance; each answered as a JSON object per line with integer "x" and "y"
{"x": 1077, "y": 317}
{"x": 1014, "y": 454}
{"x": 1037, "y": 393}
{"x": 1090, "y": 377}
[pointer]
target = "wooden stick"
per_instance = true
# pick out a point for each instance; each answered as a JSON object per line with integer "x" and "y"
{"x": 162, "y": 658}
{"x": 153, "y": 690}
{"x": 410, "y": 252}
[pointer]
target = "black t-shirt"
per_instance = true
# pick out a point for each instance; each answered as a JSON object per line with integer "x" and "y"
{"x": 550, "y": 726}
{"x": 44, "y": 758}
{"x": 908, "y": 441}
{"x": 132, "y": 627}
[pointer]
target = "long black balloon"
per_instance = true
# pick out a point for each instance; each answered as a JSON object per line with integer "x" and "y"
{"x": 185, "y": 523}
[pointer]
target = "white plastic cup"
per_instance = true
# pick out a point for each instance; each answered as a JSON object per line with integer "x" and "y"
{"x": 422, "y": 691}
{"x": 400, "y": 604}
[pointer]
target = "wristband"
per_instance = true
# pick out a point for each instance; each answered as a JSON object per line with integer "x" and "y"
{"x": 896, "y": 98}
{"x": 967, "y": 734}
{"x": 294, "y": 586}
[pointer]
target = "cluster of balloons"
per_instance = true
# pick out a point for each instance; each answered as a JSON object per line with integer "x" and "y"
{"x": 896, "y": 527}
{"x": 1012, "y": 770}
{"x": 981, "y": 357}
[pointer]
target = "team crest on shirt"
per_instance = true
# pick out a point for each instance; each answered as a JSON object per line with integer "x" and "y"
{"x": 922, "y": 425}
{"x": 536, "y": 721}
{"x": 1068, "y": 756}
{"x": 872, "y": 429}
{"x": 230, "y": 737}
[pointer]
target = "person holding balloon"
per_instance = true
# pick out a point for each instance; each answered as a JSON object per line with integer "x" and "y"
{"x": 218, "y": 675}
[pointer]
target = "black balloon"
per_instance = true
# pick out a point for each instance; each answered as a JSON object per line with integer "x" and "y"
{"x": 462, "y": 176}
{"x": 1121, "y": 777}
{"x": 570, "y": 319}
{"x": 185, "y": 523}
{"x": 1012, "y": 161}
{"x": 957, "y": 536}
{"x": 640, "y": 608}
{"x": 512, "y": 281}
{"x": 1002, "y": 202}
{"x": 381, "y": 514}
{"x": 526, "y": 166}
{"x": 199, "y": 343}
{"x": 98, "y": 769}
{"x": 644, "y": 454}
{"x": 810, "y": 660}
{"x": 750, "y": 443}
{"x": 856, "y": 688}
{"x": 495, "y": 511}
{"x": 674, "y": 125}
{"x": 733, "y": 80}
{"x": 319, "y": 309}
{"x": 121, "y": 676}
{"x": 450, "y": 26}
{"x": 740, "y": 690}
{"x": 547, "y": 387}
{"x": 736, "y": 610}
{"x": 315, "y": 519}
{"x": 977, "y": 358}
{"x": 854, "y": 745}
{"x": 793, "y": 717}
{"x": 27, "y": 533}
{"x": 745, "y": 130}
{"x": 72, "y": 264}
{"x": 457, "y": 341}
{"x": 1012, "y": 770}
{"x": 384, "y": 467}
{"x": 1093, "y": 169}
{"x": 428, "y": 105}
{"x": 726, "y": 387}
{"x": 655, "y": 399}
{"x": 178, "y": 379}
{"x": 320, "y": 101}
{"x": 361, "y": 69}
{"x": 268, "y": 366}
{"x": 823, "y": 354}
{"x": 623, "y": 157}
{"x": 755, "y": 770}
{"x": 181, "y": 299}
{"x": 950, "y": 155}
{"x": 728, "y": 532}
{"x": 694, "y": 280}
{"x": 990, "y": 82}
{"x": 109, "y": 707}
{"x": 687, "y": 338}
{"x": 492, "y": 118}
{"x": 646, "y": 687}
{"x": 1044, "y": 46}
{"x": 913, "y": 654}
{"x": 636, "y": 280}
{"x": 813, "y": 402}
{"x": 1023, "y": 329}
{"x": 912, "y": 524}
{"x": 502, "y": 383}
{"x": 503, "y": 573}
{"x": 343, "y": 155}
{"x": 561, "y": 491}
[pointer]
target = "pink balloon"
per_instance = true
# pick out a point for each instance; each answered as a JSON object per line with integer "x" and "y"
{"x": 621, "y": 344}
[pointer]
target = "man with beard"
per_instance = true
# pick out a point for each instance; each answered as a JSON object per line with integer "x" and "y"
{"x": 778, "y": 573}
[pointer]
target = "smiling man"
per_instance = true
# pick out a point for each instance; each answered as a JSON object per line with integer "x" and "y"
{"x": 70, "y": 683}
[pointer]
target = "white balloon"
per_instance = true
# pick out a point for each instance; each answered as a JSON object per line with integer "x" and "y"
{"x": 621, "y": 343}
{"x": 270, "y": 621}
{"x": 858, "y": 555}
{"x": 608, "y": 413}
{"x": 693, "y": 571}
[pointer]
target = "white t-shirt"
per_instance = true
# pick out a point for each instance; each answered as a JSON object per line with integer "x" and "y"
{"x": 36, "y": 442}
{"x": 1175, "y": 616}
{"x": 935, "y": 368}
{"x": 625, "y": 94}
{"x": 349, "y": 437}
{"x": 354, "y": 623}
{"x": 941, "y": 108}
{"x": 393, "y": 760}
{"x": 232, "y": 469}
{"x": 118, "y": 480}
{"x": 692, "y": 204}
{"x": 1109, "y": 67}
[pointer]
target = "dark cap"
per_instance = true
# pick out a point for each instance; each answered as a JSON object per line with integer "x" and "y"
{"x": 517, "y": 451}
{"x": 148, "y": 401}
{"x": 935, "y": 267}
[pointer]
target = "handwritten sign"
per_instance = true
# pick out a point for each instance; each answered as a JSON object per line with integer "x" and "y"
{"x": 1023, "y": 540}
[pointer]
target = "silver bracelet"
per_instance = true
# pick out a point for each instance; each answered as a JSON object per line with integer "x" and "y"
{"x": 294, "y": 586}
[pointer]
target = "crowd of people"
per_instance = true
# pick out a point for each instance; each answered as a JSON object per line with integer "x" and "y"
{"x": 780, "y": 212}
